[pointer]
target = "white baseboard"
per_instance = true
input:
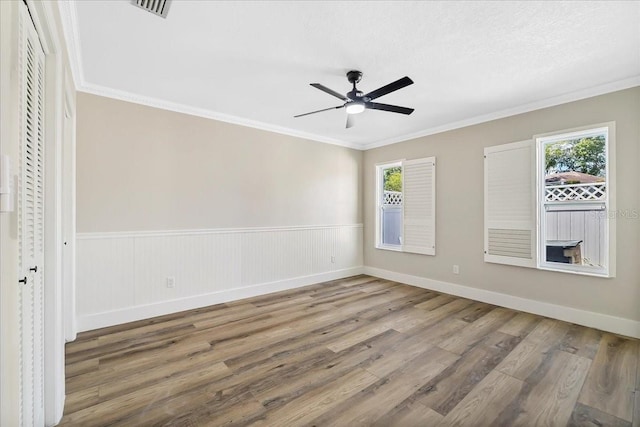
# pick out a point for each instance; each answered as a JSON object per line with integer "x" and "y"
{"x": 605, "y": 322}
{"x": 600, "y": 321}
{"x": 131, "y": 314}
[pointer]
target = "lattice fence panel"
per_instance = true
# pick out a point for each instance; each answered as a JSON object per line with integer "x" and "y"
{"x": 573, "y": 192}
{"x": 393, "y": 198}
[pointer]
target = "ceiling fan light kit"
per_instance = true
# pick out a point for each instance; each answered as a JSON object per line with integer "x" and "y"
{"x": 356, "y": 101}
{"x": 355, "y": 107}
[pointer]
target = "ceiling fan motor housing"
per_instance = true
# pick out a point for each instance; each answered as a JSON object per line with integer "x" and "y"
{"x": 356, "y": 95}
{"x": 354, "y": 76}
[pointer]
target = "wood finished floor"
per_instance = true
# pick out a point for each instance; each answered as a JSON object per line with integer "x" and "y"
{"x": 357, "y": 351}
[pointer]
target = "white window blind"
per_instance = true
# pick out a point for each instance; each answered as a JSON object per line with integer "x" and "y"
{"x": 419, "y": 193}
{"x": 510, "y": 204}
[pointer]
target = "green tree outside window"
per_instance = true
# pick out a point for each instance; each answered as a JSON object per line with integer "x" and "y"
{"x": 586, "y": 155}
{"x": 393, "y": 179}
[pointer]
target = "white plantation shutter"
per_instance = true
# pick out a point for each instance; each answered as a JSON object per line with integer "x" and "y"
{"x": 419, "y": 203}
{"x": 510, "y": 204}
{"x": 30, "y": 222}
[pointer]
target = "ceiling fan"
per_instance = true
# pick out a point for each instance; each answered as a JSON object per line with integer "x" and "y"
{"x": 356, "y": 101}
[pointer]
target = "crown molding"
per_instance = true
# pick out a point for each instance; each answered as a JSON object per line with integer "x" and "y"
{"x": 200, "y": 112}
{"x": 525, "y": 108}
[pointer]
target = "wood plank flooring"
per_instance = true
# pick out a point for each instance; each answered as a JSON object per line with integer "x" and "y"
{"x": 353, "y": 352}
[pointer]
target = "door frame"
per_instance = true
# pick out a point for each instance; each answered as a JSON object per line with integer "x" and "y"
{"x": 68, "y": 188}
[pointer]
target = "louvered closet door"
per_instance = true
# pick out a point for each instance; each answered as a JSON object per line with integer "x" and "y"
{"x": 31, "y": 220}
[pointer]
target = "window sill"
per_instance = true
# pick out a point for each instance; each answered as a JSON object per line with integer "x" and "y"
{"x": 390, "y": 248}
{"x": 575, "y": 270}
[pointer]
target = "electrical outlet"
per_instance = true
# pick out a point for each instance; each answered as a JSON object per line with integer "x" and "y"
{"x": 171, "y": 282}
{"x": 456, "y": 269}
{"x": 333, "y": 259}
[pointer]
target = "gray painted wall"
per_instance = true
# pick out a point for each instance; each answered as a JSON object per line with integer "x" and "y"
{"x": 459, "y": 221}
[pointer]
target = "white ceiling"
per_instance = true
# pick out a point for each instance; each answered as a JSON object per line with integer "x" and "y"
{"x": 251, "y": 62}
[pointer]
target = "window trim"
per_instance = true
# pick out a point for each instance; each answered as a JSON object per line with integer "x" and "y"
{"x": 609, "y": 203}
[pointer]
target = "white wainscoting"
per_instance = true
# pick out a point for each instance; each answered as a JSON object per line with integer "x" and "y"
{"x": 122, "y": 277}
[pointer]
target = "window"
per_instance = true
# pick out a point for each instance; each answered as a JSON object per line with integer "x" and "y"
{"x": 405, "y": 217}
{"x": 573, "y": 201}
{"x": 390, "y": 210}
{"x": 547, "y": 202}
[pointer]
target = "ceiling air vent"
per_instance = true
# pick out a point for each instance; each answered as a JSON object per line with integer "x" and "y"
{"x": 157, "y": 7}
